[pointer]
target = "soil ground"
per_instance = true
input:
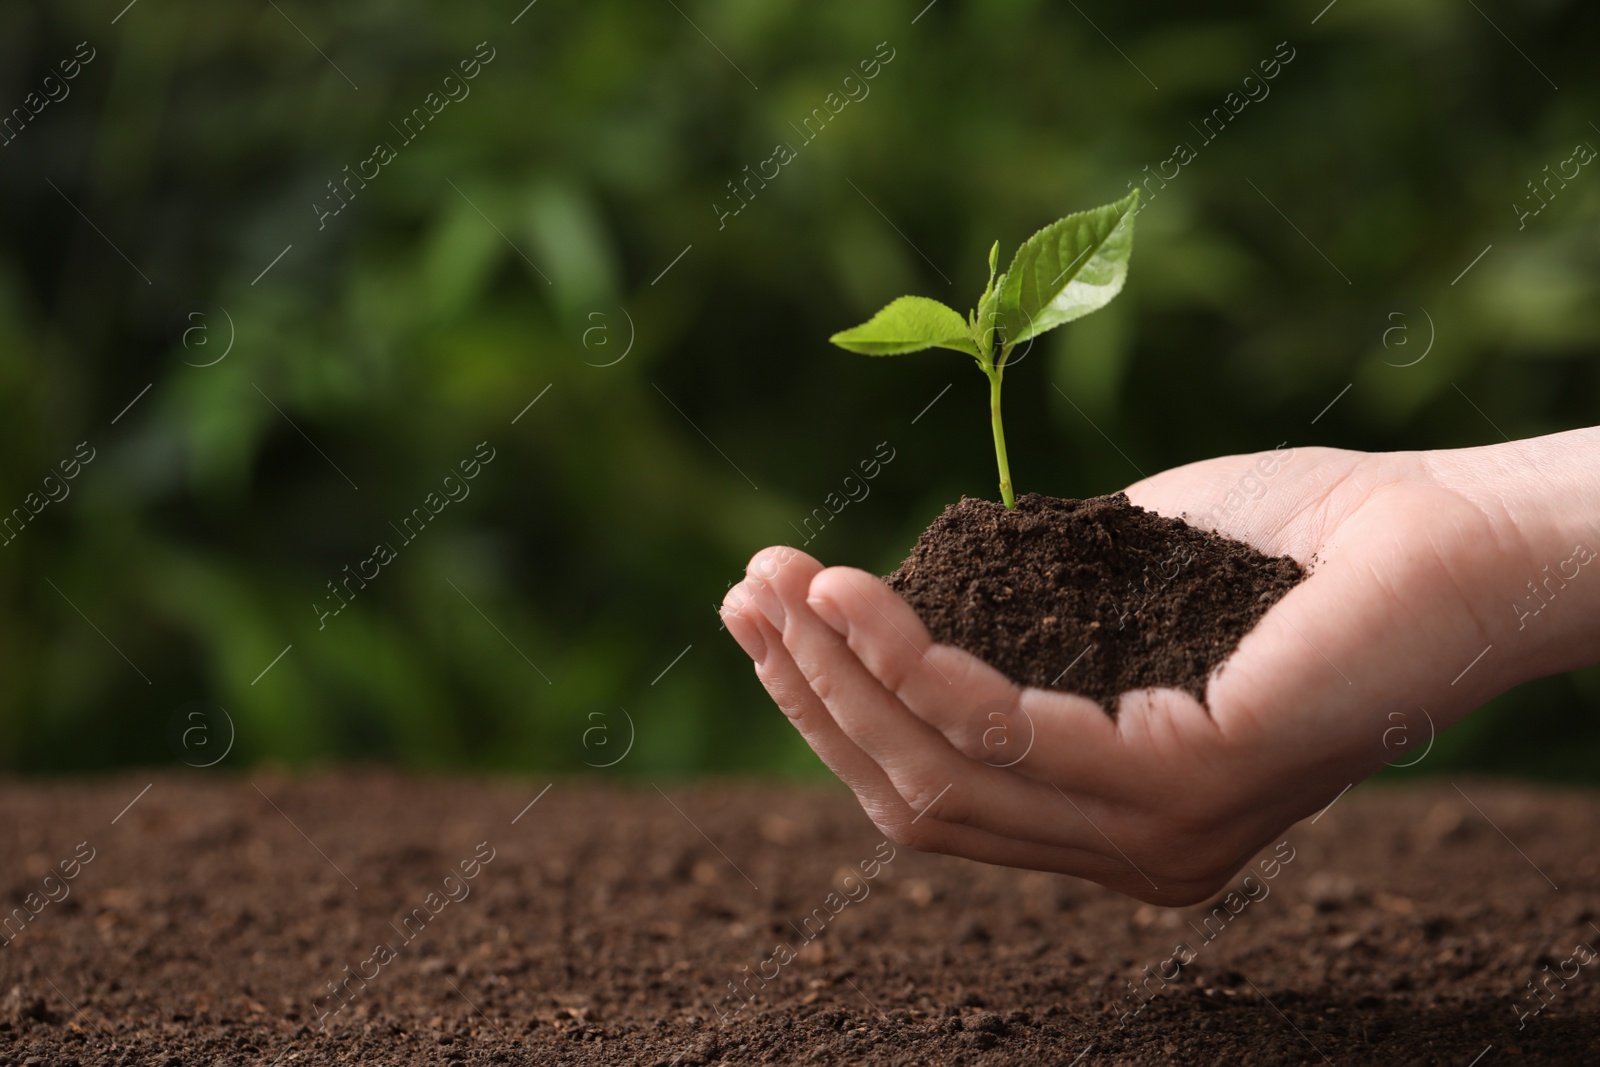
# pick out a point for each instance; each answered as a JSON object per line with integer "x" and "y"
{"x": 608, "y": 922}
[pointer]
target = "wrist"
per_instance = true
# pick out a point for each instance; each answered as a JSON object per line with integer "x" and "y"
{"x": 1540, "y": 573}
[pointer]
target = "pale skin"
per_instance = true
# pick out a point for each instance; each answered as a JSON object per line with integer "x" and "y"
{"x": 1422, "y": 560}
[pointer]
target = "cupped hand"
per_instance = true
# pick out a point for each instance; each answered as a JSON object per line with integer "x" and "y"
{"x": 1170, "y": 798}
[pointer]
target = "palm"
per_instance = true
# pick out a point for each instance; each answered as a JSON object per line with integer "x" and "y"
{"x": 1167, "y": 800}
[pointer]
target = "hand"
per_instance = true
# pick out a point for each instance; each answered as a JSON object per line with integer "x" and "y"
{"x": 1417, "y": 558}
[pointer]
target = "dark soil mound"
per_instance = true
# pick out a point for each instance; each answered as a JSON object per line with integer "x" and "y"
{"x": 1090, "y": 596}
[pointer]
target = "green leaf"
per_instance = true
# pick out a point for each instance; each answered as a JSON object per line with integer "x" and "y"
{"x": 994, "y": 263}
{"x": 1068, "y": 269}
{"x": 909, "y": 324}
{"x": 987, "y": 327}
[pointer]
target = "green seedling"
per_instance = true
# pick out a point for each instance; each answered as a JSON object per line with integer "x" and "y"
{"x": 1068, "y": 269}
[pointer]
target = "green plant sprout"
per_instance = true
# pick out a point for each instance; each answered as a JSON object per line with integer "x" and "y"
{"x": 1071, "y": 267}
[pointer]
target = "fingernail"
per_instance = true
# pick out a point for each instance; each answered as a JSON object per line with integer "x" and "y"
{"x": 771, "y": 606}
{"x": 748, "y": 635}
{"x": 829, "y": 613}
{"x": 736, "y": 598}
{"x": 764, "y": 565}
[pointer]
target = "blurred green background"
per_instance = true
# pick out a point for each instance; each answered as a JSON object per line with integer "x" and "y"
{"x": 523, "y": 240}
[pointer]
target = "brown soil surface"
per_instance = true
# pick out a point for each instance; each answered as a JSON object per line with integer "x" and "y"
{"x": 1093, "y": 596}
{"x": 608, "y": 922}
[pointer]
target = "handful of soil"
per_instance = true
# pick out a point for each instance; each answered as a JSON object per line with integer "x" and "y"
{"x": 1093, "y": 596}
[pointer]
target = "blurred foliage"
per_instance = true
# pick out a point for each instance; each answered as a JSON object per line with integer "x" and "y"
{"x": 475, "y": 270}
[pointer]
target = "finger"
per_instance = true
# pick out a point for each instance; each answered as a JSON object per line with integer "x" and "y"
{"x": 919, "y": 762}
{"x": 1112, "y": 871}
{"x": 1067, "y": 739}
{"x": 924, "y": 829}
{"x": 792, "y": 693}
{"x": 1259, "y": 498}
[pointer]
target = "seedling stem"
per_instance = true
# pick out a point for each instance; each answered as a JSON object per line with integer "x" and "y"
{"x": 1070, "y": 268}
{"x": 996, "y": 373}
